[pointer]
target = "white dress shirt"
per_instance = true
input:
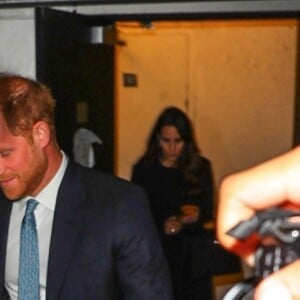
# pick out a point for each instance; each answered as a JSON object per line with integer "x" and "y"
{"x": 44, "y": 214}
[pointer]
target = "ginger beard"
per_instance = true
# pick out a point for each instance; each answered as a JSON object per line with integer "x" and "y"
{"x": 25, "y": 178}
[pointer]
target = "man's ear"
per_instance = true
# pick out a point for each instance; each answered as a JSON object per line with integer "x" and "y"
{"x": 41, "y": 133}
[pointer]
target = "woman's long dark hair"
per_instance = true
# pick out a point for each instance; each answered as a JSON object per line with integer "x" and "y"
{"x": 189, "y": 161}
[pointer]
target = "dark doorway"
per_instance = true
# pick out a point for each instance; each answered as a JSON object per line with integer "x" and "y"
{"x": 79, "y": 74}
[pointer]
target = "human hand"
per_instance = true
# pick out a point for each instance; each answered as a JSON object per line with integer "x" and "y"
{"x": 172, "y": 225}
{"x": 189, "y": 213}
{"x": 275, "y": 183}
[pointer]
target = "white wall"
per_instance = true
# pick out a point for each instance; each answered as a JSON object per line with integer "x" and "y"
{"x": 17, "y": 41}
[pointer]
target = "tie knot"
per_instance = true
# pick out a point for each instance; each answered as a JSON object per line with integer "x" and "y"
{"x": 30, "y": 206}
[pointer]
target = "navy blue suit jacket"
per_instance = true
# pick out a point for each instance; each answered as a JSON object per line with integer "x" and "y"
{"x": 104, "y": 244}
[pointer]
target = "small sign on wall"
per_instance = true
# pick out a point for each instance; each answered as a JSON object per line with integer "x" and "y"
{"x": 82, "y": 112}
{"x": 130, "y": 80}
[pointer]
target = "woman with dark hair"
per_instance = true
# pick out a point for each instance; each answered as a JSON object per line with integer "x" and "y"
{"x": 179, "y": 184}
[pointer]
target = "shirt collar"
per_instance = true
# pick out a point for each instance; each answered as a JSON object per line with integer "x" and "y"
{"x": 47, "y": 196}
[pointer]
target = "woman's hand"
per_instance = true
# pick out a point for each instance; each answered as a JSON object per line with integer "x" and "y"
{"x": 189, "y": 213}
{"x": 172, "y": 225}
{"x": 275, "y": 183}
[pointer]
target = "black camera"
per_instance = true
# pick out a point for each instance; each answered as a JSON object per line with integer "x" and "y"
{"x": 281, "y": 229}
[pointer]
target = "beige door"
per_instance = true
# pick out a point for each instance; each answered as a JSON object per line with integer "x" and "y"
{"x": 235, "y": 79}
{"x": 159, "y": 64}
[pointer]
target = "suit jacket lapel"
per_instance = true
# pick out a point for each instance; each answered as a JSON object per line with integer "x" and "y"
{"x": 67, "y": 220}
{"x": 5, "y": 210}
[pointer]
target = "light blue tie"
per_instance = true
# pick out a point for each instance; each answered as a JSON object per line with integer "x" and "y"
{"x": 28, "y": 285}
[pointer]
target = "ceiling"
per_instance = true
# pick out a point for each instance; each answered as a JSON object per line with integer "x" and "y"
{"x": 188, "y": 8}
